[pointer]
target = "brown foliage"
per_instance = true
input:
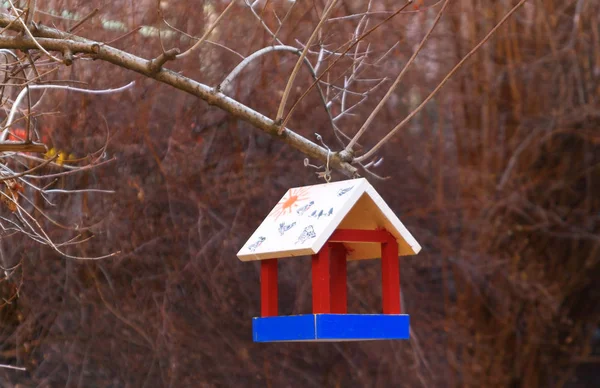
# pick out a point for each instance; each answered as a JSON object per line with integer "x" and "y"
{"x": 498, "y": 179}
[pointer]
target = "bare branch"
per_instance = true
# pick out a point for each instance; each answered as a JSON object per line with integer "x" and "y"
{"x": 85, "y": 19}
{"x": 352, "y": 44}
{"x": 12, "y": 367}
{"x": 288, "y": 13}
{"x": 359, "y": 15}
{"x": 412, "y": 114}
{"x": 262, "y": 22}
{"x": 26, "y": 29}
{"x": 63, "y": 87}
{"x": 398, "y": 79}
{"x": 57, "y": 41}
{"x": 290, "y": 83}
{"x": 208, "y": 31}
{"x": 156, "y": 64}
{"x": 22, "y": 147}
{"x": 238, "y": 69}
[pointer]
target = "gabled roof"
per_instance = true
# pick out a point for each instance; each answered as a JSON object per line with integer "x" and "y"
{"x": 305, "y": 218}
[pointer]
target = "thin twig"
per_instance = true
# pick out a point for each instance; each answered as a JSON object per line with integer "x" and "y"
{"x": 288, "y": 13}
{"x": 290, "y": 83}
{"x": 207, "y": 40}
{"x": 440, "y": 85}
{"x": 208, "y": 31}
{"x": 157, "y": 63}
{"x": 125, "y": 35}
{"x": 353, "y": 43}
{"x": 85, "y": 19}
{"x": 26, "y": 29}
{"x": 63, "y": 87}
{"x": 397, "y": 81}
{"x": 54, "y": 40}
{"x": 238, "y": 69}
{"x": 12, "y": 367}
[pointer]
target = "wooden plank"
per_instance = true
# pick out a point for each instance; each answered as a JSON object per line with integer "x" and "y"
{"x": 361, "y": 235}
{"x": 339, "y": 286}
{"x": 269, "y": 288}
{"x": 390, "y": 278}
{"x": 367, "y": 214}
{"x": 306, "y": 217}
{"x": 302, "y": 220}
{"x": 407, "y": 243}
{"x": 331, "y": 327}
{"x": 321, "y": 286}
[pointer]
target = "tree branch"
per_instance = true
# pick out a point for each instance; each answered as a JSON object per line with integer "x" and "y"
{"x": 242, "y": 65}
{"x": 392, "y": 88}
{"x": 412, "y": 114}
{"x": 208, "y": 31}
{"x": 56, "y": 40}
{"x": 24, "y": 91}
{"x": 224, "y": 85}
{"x": 23, "y": 147}
{"x": 157, "y": 63}
{"x": 351, "y": 44}
{"x": 290, "y": 83}
{"x": 85, "y": 19}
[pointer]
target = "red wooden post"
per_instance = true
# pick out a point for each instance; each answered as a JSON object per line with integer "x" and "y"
{"x": 321, "y": 286}
{"x": 268, "y": 288}
{"x": 390, "y": 277}
{"x": 339, "y": 289}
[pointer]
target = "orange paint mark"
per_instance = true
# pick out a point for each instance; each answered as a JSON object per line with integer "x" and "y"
{"x": 289, "y": 201}
{"x": 287, "y": 204}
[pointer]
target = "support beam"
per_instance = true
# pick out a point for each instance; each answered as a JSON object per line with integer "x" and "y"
{"x": 360, "y": 235}
{"x": 390, "y": 278}
{"x": 339, "y": 288}
{"x": 268, "y": 288}
{"x": 321, "y": 286}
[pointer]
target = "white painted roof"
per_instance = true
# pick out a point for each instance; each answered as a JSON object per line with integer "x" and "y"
{"x": 305, "y": 218}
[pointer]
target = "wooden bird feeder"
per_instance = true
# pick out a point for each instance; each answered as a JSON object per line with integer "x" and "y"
{"x": 333, "y": 223}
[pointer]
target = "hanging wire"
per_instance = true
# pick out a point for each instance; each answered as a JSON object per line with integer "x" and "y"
{"x": 321, "y": 174}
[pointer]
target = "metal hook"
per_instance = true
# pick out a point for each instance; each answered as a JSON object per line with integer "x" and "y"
{"x": 327, "y": 173}
{"x": 321, "y": 174}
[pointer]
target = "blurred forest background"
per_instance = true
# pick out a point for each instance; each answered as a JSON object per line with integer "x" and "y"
{"x": 498, "y": 178}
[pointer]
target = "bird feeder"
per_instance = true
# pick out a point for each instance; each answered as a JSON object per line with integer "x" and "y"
{"x": 333, "y": 223}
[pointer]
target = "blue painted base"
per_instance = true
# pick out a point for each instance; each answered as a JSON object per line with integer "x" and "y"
{"x": 330, "y": 327}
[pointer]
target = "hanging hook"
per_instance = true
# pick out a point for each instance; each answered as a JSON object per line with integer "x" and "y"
{"x": 321, "y": 174}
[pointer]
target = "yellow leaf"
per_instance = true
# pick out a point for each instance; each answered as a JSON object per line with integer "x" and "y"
{"x": 62, "y": 156}
{"x": 50, "y": 154}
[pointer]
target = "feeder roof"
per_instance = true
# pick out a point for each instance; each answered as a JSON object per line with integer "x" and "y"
{"x": 305, "y": 217}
